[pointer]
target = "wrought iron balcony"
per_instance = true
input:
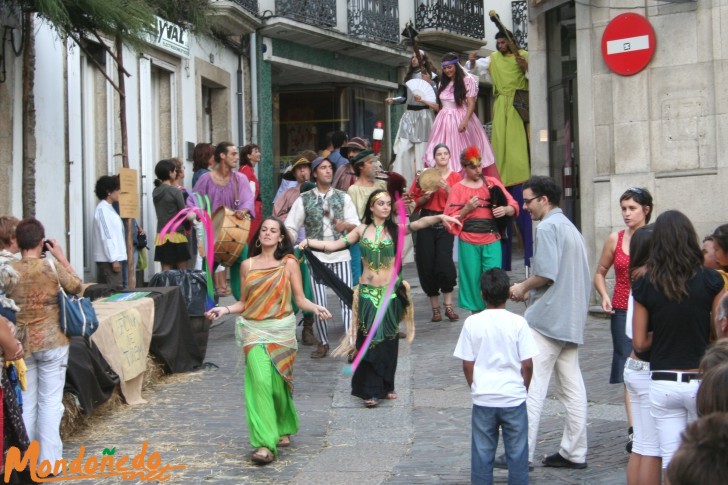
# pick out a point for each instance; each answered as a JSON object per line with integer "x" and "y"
{"x": 313, "y": 12}
{"x": 519, "y": 11}
{"x": 375, "y": 20}
{"x": 249, "y": 5}
{"x": 462, "y": 17}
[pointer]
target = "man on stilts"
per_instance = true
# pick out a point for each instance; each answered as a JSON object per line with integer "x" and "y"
{"x": 509, "y": 138}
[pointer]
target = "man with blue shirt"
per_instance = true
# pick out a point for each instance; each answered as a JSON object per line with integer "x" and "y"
{"x": 338, "y": 139}
{"x": 558, "y": 299}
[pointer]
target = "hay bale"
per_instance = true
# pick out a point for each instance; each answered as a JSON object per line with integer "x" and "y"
{"x": 74, "y": 419}
{"x": 154, "y": 373}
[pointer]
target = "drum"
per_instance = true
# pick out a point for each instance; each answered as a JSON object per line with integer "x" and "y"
{"x": 231, "y": 235}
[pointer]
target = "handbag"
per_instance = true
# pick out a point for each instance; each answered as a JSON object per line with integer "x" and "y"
{"x": 143, "y": 260}
{"x": 521, "y": 103}
{"x": 77, "y": 315}
{"x": 498, "y": 199}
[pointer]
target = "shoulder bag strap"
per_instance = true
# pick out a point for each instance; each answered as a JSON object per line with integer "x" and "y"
{"x": 234, "y": 176}
{"x": 53, "y": 267}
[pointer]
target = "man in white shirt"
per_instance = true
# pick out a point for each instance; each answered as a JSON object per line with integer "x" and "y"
{"x": 109, "y": 242}
{"x": 327, "y": 214}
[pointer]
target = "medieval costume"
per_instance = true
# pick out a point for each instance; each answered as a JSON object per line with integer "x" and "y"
{"x": 509, "y": 139}
{"x": 445, "y": 128}
{"x": 374, "y": 377}
{"x": 267, "y": 331}
{"x": 479, "y": 245}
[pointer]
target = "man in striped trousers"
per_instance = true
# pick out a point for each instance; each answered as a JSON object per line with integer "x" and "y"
{"x": 327, "y": 214}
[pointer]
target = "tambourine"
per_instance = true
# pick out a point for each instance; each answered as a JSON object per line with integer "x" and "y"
{"x": 429, "y": 179}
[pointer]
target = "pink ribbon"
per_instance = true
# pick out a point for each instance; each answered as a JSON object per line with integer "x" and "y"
{"x": 208, "y": 239}
{"x": 390, "y": 288}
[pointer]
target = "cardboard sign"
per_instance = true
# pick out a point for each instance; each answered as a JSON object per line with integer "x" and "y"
{"x": 129, "y": 196}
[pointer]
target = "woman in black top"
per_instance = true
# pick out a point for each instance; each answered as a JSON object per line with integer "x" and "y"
{"x": 675, "y": 299}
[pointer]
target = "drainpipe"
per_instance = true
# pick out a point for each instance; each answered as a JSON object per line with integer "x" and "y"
{"x": 241, "y": 118}
{"x": 254, "y": 85}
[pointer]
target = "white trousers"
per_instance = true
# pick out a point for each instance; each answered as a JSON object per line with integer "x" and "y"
{"x": 410, "y": 159}
{"x": 343, "y": 271}
{"x": 563, "y": 358}
{"x": 673, "y": 407}
{"x": 43, "y": 401}
{"x": 638, "y": 384}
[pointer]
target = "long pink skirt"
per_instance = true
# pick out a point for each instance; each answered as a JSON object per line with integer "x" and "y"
{"x": 445, "y": 131}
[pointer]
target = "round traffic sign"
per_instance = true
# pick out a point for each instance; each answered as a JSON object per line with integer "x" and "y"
{"x": 628, "y": 43}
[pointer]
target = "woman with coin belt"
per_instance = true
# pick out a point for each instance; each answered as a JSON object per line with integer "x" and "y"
{"x": 433, "y": 247}
{"x": 479, "y": 245}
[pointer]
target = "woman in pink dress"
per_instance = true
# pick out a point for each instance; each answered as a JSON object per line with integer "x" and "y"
{"x": 456, "y": 125}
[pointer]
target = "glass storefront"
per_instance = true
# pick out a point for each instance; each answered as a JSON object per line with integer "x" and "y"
{"x": 303, "y": 119}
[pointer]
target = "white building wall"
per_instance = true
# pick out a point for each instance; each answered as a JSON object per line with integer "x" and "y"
{"x": 59, "y": 110}
{"x": 50, "y": 186}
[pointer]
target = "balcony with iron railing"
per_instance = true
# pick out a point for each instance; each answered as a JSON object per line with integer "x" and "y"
{"x": 374, "y": 20}
{"x": 460, "y": 17}
{"x": 235, "y": 17}
{"x": 249, "y": 5}
{"x": 312, "y": 12}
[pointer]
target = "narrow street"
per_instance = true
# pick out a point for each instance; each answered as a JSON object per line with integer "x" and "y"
{"x": 198, "y": 420}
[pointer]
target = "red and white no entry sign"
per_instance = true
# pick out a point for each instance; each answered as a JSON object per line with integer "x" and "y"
{"x": 628, "y": 43}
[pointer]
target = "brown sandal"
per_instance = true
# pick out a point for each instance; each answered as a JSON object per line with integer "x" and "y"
{"x": 450, "y": 313}
{"x": 436, "y": 315}
{"x": 263, "y": 456}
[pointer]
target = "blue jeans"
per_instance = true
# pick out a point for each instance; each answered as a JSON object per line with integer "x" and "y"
{"x": 621, "y": 344}
{"x": 514, "y": 423}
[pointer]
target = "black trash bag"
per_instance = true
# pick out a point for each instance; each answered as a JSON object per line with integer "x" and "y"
{"x": 193, "y": 285}
{"x": 88, "y": 375}
{"x": 97, "y": 291}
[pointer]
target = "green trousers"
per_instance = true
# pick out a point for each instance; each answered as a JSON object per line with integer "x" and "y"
{"x": 269, "y": 405}
{"x": 473, "y": 260}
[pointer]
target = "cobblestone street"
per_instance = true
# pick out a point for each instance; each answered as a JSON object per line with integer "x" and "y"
{"x": 198, "y": 420}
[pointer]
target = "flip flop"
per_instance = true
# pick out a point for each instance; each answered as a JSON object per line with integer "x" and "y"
{"x": 391, "y": 395}
{"x": 262, "y": 456}
{"x": 371, "y": 403}
{"x": 284, "y": 441}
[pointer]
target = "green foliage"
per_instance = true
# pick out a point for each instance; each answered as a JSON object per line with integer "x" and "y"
{"x": 132, "y": 20}
{"x": 192, "y": 14}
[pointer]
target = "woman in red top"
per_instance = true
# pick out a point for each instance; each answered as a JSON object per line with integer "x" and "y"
{"x": 636, "y": 204}
{"x": 433, "y": 246}
{"x": 249, "y": 158}
{"x": 479, "y": 245}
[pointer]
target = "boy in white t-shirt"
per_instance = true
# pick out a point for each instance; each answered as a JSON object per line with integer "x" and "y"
{"x": 496, "y": 347}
